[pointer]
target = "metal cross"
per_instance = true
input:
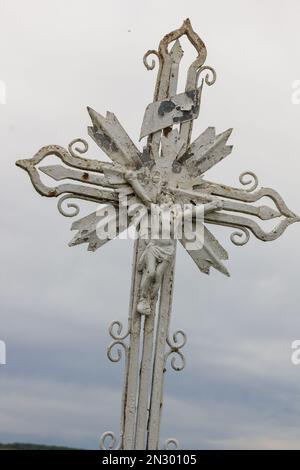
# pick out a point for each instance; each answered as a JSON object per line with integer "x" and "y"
{"x": 169, "y": 168}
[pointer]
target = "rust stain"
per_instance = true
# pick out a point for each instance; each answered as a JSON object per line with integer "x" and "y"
{"x": 166, "y": 131}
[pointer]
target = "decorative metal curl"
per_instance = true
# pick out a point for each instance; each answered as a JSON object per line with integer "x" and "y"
{"x": 146, "y": 55}
{"x": 119, "y": 328}
{"x": 177, "y": 354}
{"x": 246, "y": 182}
{"x": 69, "y": 205}
{"x": 73, "y": 205}
{"x": 78, "y": 149}
{"x": 175, "y": 345}
{"x": 171, "y": 441}
{"x": 113, "y": 444}
{"x": 110, "y": 350}
{"x": 208, "y": 80}
{"x": 240, "y": 237}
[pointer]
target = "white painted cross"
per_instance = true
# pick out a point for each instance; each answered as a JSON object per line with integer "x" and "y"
{"x": 167, "y": 172}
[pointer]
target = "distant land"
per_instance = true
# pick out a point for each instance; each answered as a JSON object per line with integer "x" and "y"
{"x": 22, "y": 446}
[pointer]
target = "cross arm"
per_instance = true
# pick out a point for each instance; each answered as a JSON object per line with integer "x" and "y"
{"x": 237, "y": 202}
{"x": 108, "y": 175}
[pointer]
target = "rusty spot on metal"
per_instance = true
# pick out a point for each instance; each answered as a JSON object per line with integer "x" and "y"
{"x": 166, "y": 131}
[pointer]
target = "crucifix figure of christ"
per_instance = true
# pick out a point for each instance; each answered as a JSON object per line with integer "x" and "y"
{"x": 168, "y": 173}
{"x": 158, "y": 252}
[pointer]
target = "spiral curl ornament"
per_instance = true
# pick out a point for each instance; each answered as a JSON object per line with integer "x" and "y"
{"x": 245, "y": 182}
{"x": 171, "y": 443}
{"x": 240, "y": 237}
{"x": 177, "y": 342}
{"x": 72, "y": 149}
{"x": 153, "y": 63}
{"x": 178, "y": 361}
{"x": 210, "y": 77}
{"x": 118, "y": 326}
{"x": 109, "y": 435}
{"x": 111, "y": 350}
{"x": 70, "y": 205}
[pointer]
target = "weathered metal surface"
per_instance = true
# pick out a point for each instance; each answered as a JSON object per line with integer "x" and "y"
{"x": 31, "y": 166}
{"x": 69, "y": 158}
{"x": 169, "y": 168}
{"x": 113, "y": 140}
{"x": 159, "y": 362}
{"x": 89, "y": 230}
{"x": 131, "y": 380}
{"x": 175, "y": 110}
{"x": 210, "y": 255}
{"x": 59, "y": 172}
{"x": 206, "y": 151}
{"x": 249, "y": 195}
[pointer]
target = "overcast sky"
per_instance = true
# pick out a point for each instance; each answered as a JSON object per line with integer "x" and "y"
{"x": 239, "y": 388}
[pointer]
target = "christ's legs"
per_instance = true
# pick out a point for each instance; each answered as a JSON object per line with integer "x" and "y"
{"x": 148, "y": 273}
{"x": 148, "y": 277}
{"x": 160, "y": 271}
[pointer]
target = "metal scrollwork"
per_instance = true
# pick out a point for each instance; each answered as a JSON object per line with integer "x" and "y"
{"x": 115, "y": 331}
{"x": 209, "y": 80}
{"x": 240, "y": 237}
{"x": 111, "y": 348}
{"x": 175, "y": 345}
{"x": 245, "y": 182}
{"x": 72, "y": 149}
{"x": 119, "y": 328}
{"x": 145, "y": 59}
{"x": 113, "y": 445}
{"x": 171, "y": 443}
{"x": 70, "y": 205}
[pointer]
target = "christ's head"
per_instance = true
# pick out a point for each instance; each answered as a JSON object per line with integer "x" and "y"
{"x": 165, "y": 199}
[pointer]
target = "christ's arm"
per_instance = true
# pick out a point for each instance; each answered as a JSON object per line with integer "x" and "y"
{"x": 132, "y": 179}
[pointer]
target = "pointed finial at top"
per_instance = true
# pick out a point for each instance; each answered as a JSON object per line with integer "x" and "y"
{"x": 176, "y": 51}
